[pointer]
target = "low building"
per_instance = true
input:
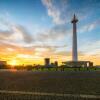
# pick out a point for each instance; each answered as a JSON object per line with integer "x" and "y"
{"x": 78, "y": 63}
{"x": 3, "y": 64}
{"x": 47, "y": 62}
{"x": 56, "y": 63}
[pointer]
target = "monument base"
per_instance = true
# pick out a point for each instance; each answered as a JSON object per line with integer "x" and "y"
{"x": 78, "y": 63}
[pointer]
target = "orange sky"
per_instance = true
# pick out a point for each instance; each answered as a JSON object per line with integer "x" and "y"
{"x": 19, "y": 55}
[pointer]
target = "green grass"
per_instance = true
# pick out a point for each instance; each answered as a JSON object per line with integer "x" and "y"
{"x": 67, "y": 69}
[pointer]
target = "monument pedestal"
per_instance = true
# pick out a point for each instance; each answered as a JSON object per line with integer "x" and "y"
{"x": 78, "y": 63}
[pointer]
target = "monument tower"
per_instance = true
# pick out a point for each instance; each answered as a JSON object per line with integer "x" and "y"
{"x": 74, "y": 44}
{"x": 75, "y": 62}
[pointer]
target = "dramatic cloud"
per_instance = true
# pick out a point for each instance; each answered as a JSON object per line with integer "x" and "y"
{"x": 25, "y": 34}
{"x": 18, "y": 34}
{"x": 55, "y": 10}
{"x": 61, "y": 11}
{"x": 47, "y": 46}
{"x": 10, "y": 31}
{"x": 67, "y": 53}
{"x": 89, "y": 27}
{"x": 91, "y": 48}
{"x": 5, "y": 34}
{"x": 55, "y": 33}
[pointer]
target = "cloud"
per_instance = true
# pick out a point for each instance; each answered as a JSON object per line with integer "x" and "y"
{"x": 47, "y": 46}
{"x": 54, "y": 11}
{"x": 67, "y": 53}
{"x": 18, "y": 34}
{"x": 55, "y": 33}
{"x": 13, "y": 32}
{"x": 61, "y": 11}
{"x": 25, "y": 34}
{"x": 89, "y": 27}
{"x": 25, "y": 56}
{"x": 5, "y": 34}
{"x": 91, "y": 48}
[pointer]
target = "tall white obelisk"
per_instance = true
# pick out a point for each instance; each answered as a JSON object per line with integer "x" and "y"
{"x": 74, "y": 48}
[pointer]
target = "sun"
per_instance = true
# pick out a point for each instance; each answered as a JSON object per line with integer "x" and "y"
{"x": 13, "y": 62}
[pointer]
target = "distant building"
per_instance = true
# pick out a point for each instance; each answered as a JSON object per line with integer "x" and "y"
{"x": 3, "y": 64}
{"x": 56, "y": 63}
{"x": 47, "y": 61}
{"x": 48, "y": 64}
{"x": 52, "y": 64}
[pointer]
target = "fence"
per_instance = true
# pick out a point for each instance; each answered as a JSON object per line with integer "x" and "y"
{"x": 20, "y": 95}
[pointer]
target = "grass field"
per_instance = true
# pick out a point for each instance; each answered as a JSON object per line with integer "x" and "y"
{"x": 68, "y": 82}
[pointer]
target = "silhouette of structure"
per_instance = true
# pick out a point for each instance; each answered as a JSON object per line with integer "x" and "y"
{"x": 3, "y": 64}
{"x": 47, "y": 61}
{"x": 48, "y": 64}
{"x": 75, "y": 62}
{"x": 56, "y": 63}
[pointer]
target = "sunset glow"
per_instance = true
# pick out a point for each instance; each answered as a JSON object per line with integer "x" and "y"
{"x": 13, "y": 63}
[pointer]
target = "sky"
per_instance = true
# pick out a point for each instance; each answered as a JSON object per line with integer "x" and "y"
{"x": 31, "y": 30}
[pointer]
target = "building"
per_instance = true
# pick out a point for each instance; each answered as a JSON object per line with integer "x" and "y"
{"x": 75, "y": 62}
{"x": 48, "y": 64}
{"x": 79, "y": 63}
{"x": 47, "y": 61}
{"x": 56, "y": 63}
{"x": 3, "y": 64}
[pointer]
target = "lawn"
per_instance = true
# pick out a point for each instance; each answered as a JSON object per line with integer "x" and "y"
{"x": 71, "y": 82}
